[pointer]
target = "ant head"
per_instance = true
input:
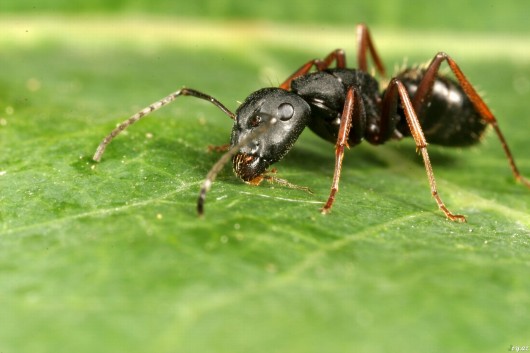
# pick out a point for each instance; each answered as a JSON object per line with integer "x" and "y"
{"x": 291, "y": 115}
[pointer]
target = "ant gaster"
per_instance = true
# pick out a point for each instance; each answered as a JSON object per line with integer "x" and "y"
{"x": 345, "y": 106}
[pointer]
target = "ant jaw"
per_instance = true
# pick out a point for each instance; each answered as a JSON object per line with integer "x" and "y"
{"x": 249, "y": 168}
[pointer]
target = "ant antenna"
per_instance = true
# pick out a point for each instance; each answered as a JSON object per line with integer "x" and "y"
{"x": 151, "y": 108}
{"x": 218, "y": 166}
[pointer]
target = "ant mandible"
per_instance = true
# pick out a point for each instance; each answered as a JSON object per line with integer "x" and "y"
{"x": 345, "y": 106}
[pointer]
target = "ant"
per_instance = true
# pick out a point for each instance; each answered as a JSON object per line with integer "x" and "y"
{"x": 345, "y": 106}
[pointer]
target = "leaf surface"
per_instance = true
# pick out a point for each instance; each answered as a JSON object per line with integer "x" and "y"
{"x": 112, "y": 256}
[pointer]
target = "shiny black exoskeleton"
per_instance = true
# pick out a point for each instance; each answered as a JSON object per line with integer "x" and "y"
{"x": 346, "y": 106}
{"x": 317, "y": 99}
{"x": 449, "y": 117}
{"x": 293, "y": 114}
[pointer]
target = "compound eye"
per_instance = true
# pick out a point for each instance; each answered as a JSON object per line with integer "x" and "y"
{"x": 285, "y": 111}
{"x": 255, "y": 121}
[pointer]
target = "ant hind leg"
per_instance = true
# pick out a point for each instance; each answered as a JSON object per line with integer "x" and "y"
{"x": 425, "y": 87}
{"x": 396, "y": 90}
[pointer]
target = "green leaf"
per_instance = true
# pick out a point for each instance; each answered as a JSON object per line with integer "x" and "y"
{"x": 112, "y": 256}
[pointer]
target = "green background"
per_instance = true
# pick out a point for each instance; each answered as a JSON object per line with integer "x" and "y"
{"x": 474, "y": 15}
{"x": 112, "y": 257}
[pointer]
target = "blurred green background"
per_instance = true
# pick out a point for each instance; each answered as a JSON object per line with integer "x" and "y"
{"x": 508, "y": 16}
{"x": 112, "y": 258}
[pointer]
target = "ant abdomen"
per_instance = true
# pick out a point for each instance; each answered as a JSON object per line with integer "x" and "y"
{"x": 447, "y": 117}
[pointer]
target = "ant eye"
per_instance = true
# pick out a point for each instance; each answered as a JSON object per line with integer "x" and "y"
{"x": 285, "y": 111}
{"x": 255, "y": 121}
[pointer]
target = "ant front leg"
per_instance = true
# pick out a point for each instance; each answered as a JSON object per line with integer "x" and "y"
{"x": 221, "y": 148}
{"x": 353, "y": 114}
{"x": 397, "y": 89}
{"x": 425, "y": 87}
{"x": 337, "y": 56}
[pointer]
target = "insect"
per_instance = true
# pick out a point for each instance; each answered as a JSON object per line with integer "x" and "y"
{"x": 346, "y": 106}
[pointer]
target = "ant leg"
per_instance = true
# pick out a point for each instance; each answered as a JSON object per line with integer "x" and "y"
{"x": 364, "y": 41}
{"x": 337, "y": 56}
{"x": 155, "y": 106}
{"x": 222, "y": 148}
{"x": 397, "y": 89}
{"x": 353, "y": 111}
{"x": 275, "y": 180}
{"x": 424, "y": 90}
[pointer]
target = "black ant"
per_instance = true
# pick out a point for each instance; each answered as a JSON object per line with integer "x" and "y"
{"x": 345, "y": 106}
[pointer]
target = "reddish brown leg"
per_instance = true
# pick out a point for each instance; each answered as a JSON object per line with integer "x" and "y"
{"x": 338, "y": 56}
{"x": 397, "y": 89}
{"x": 425, "y": 87}
{"x": 275, "y": 180}
{"x": 364, "y": 42}
{"x": 352, "y": 110}
{"x": 221, "y": 148}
